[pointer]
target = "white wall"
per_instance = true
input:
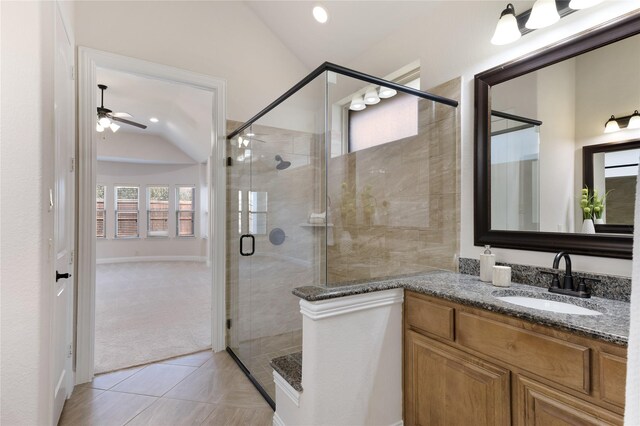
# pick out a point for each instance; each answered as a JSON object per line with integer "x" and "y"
{"x": 223, "y": 39}
{"x": 143, "y": 175}
{"x": 26, "y": 174}
{"x": 140, "y": 148}
{"x": 454, "y": 41}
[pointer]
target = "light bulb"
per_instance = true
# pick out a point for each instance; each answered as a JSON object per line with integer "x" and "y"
{"x": 611, "y": 126}
{"x": 357, "y": 103}
{"x": 104, "y": 121}
{"x": 153, "y": 120}
{"x": 543, "y": 14}
{"x": 507, "y": 30}
{"x": 386, "y": 92}
{"x": 634, "y": 121}
{"x": 320, "y": 14}
{"x": 583, "y": 4}
{"x": 99, "y": 128}
{"x": 114, "y": 127}
{"x": 371, "y": 97}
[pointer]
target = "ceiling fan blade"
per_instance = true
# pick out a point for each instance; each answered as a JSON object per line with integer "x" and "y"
{"x": 131, "y": 123}
{"x": 121, "y": 115}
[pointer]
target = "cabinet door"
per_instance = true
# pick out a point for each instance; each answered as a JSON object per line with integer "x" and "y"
{"x": 444, "y": 386}
{"x": 537, "y": 404}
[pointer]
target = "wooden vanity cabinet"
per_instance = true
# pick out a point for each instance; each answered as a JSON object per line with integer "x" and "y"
{"x": 468, "y": 366}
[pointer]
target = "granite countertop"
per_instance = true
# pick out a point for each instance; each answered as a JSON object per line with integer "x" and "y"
{"x": 290, "y": 368}
{"x": 612, "y": 326}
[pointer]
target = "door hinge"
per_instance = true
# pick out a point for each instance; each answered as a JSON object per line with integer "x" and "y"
{"x": 228, "y": 324}
{"x": 71, "y": 257}
{"x": 73, "y": 72}
{"x": 229, "y": 162}
{"x": 69, "y": 351}
{"x": 73, "y": 164}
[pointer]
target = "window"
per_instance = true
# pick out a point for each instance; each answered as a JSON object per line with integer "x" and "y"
{"x": 257, "y": 212}
{"x": 158, "y": 211}
{"x": 100, "y": 192}
{"x": 389, "y": 120}
{"x": 185, "y": 211}
{"x": 127, "y": 211}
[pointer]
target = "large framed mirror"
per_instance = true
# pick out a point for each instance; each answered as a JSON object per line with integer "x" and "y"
{"x": 540, "y": 140}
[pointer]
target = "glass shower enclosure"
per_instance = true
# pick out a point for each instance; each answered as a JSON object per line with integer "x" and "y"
{"x": 344, "y": 178}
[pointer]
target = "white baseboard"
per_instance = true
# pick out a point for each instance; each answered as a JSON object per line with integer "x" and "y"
{"x": 151, "y": 259}
{"x": 286, "y": 388}
{"x": 277, "y": 421}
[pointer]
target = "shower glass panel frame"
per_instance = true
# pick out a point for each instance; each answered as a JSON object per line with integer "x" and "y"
{"x": 310, "y": 212}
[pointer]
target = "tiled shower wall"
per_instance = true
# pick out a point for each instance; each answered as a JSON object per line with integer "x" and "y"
{"x": 396, "y": 207}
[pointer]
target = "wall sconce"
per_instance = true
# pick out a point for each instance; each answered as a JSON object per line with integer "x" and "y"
{"x": 626, "y": 122}
{"x": 507, "y": 30}
{"x": 542, "y": 14}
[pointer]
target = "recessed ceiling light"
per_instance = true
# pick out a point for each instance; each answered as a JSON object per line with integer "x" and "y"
{"x": 153, "y": 120}
{"x": 320, "y": 14}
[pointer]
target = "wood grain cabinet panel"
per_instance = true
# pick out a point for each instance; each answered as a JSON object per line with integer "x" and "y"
{"x": 564, "y": 362}
{"x": 444, "y": 386}
{"x": 613, "y": 377}
{"x": 535, "y": 404}
{"x": 430, "y": 317}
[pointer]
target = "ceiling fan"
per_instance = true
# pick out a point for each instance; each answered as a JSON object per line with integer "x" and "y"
{"x": 107, "y": 118}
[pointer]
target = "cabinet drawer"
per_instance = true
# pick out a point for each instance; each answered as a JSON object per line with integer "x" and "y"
{"x": 563, "y": 362}
{"x": 613, "y": 376}
{"x": 430, "y": 317}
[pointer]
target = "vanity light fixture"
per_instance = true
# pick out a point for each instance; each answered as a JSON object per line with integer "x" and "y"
{"x": 371, "y": 97}
{"x": 357, "y": 103}
{"x": 386, "y": 92}
{"x": 99, "y": 128}
{"x": 507, "y": 30}
{"x": 583, "y": 4}
{"x": 634, "y": 120}
{"x": 543, "y": 14}
{"x": 320, "y": 14}
{"x": 104, "y": 121}
{"x": 611, "y": 125}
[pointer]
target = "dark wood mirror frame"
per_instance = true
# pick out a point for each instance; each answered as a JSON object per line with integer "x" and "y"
{"x": 587, "y": 176}
{"x": 618, "y": 246}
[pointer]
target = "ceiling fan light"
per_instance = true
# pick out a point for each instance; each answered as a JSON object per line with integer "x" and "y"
{"x": 99, "y": 128}
{"x": 114, "y": 127}
{"x": 386, "y": 92}
{"x": 104, "y": 121}
{"x": 153, "y": 120}
{"x": 611, "y": 125}
{"x": 507, "y": 30}
{"x": 371, "y": 97}
{"x": 583, "y": 4}
{"x": 543, "y": 14}
{"x": 357, "y": 103}
{"x": 634, "y": 121}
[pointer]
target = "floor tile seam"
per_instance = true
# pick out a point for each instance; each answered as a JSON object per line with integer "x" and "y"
{"x": 175, "y": 399}
{"x": 183, "y": 379}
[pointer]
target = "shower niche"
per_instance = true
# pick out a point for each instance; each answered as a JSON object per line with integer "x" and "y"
{"x": 356, "y": 178}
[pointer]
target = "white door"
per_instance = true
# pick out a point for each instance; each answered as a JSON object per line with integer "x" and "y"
{"x": 63, "y": 209}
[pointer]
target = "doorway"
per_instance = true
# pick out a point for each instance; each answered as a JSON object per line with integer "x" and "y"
{"x": 151, "y": 271}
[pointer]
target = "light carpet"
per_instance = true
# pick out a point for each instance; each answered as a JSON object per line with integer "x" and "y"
{"x": 148, "y": 311}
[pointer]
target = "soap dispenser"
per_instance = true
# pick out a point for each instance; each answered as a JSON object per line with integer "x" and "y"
{"x": 487, "y": 261}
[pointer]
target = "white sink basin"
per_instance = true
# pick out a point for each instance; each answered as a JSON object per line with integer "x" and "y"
{"x": 548, "y": 305}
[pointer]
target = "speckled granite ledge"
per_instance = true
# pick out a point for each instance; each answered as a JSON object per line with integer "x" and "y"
{"x": 611, "y": 286}
{"x": 612, "y": 326}
{"x": 290, "y": 368}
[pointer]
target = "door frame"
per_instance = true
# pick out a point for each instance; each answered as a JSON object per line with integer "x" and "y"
{"x": 88, "y": 60}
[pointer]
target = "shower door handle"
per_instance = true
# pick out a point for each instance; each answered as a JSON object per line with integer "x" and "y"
{"x": 253, "y": 245}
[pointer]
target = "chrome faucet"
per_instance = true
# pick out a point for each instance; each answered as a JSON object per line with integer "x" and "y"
{"x": 567, "y": 287}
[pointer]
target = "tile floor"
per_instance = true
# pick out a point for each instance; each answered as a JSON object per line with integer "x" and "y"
{"x": 199, "y": 389}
